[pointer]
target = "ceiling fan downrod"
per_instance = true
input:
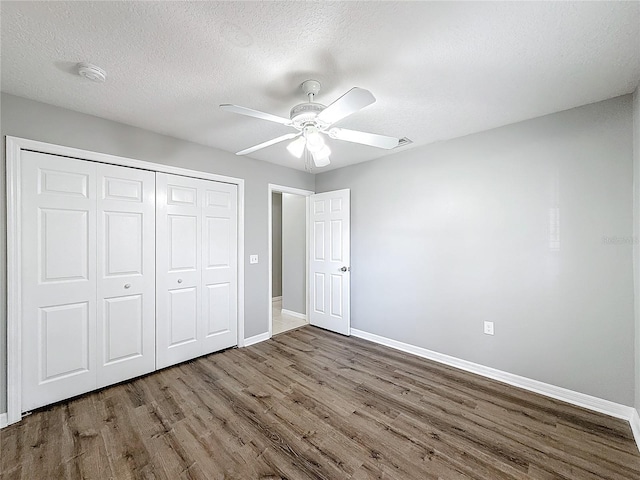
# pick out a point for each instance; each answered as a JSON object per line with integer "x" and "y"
{"x": 311, "y": 88}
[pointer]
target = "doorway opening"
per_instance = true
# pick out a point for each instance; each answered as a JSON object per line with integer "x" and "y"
{"x": 288, "y": 258}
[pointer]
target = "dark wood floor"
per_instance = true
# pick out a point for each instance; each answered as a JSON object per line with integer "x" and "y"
{"x": 312, "y": 404}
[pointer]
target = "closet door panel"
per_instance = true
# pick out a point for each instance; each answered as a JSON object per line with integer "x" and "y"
{"x": 218, "y": 310}
{"x": 197, "y": 267}
{"x": 183, "y": 316}
{"x": 183, "y": 277}
{"x": 58, "y": 221}
{"x": 124, "y": 333}
{"x": 219, "y": 272}
{"x": 63, "y": 340}
{"x": 126, "y": 273}
{"x": 182, "y": 243}
{"x": 179, "y": 258}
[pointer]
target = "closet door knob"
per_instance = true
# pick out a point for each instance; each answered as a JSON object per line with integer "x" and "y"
{"x": 127, "y": 285}
{"x": 179, "y": 280}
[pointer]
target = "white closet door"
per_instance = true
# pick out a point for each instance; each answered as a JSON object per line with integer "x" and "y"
{"x": 219, "y": 266}
{"x": 196, "y": 268}
{"x": 58, "y": 221}
{"x": 126, "y": 273}
{"x": 179, "y": 272}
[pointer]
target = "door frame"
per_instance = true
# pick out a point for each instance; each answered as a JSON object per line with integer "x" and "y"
{"x": 14, "y": 148}
{"x": 273, "y": 188}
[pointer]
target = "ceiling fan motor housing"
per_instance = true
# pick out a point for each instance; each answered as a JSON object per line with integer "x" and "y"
{"x": 304, "y": 113}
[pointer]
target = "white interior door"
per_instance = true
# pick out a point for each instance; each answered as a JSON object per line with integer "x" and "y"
{"x": 126, "y": 273}
{"x": 178, "y": 269}
{"x": 219, "y": 265}
{"x": 329, "y": 261}
{"x": 58, "y": 221}
{"x": 196, "y": 268}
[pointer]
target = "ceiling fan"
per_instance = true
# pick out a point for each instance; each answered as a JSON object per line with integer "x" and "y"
{"x": 313, "y": 120}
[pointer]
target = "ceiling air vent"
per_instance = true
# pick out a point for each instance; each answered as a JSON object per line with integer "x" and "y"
{"x": 403, "y": 141}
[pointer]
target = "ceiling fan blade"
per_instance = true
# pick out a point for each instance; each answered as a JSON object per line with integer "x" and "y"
{"x": 372, "y": 139}
{"x": 352, "y": 101}
{"x": 268, "y": 143}
{"x": 254, "y": 113}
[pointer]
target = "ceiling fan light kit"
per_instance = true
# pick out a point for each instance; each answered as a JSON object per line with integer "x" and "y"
{"x": 313, "y": 138}
{"x": 313, "y": 120}
{"x": 296, "y": 148}
{"x": 320, "y": 159}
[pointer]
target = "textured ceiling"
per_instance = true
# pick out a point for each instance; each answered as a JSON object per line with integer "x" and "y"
{"x": 438, "y": 70}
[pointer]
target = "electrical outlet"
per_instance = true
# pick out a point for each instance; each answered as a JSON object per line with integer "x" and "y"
{"x": 488, "y": 328}
{"x": 253, "y": 258}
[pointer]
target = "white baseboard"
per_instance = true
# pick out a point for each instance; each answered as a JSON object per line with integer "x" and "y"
{"x": 275, "y": 299}
{"x": 3, "y": 420}
{"x": 291, "y": 313}
{"x": 635, "y": 426}
{"x": 575, "y": 398}
{"x": 256, "y": 339}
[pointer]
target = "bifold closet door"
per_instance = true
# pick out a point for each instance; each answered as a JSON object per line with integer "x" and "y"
{"x": 88, "y": 257}
{"x": 125, "y": 273}
{"x": 196, "y": 285}
{"x": 58, "y": 221}
{"x": 219, "y": 266}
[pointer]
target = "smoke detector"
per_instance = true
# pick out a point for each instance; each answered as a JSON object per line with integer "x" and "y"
{"x": 92, "y": 72}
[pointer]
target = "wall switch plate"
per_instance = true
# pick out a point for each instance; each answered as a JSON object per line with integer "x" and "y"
{"x": 488, "y": 328}
{"x": 253, "y": 258}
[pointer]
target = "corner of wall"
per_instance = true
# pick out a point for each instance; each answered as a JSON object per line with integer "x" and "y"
{"x": 636, "y": 246}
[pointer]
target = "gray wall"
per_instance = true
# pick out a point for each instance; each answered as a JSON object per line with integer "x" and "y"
{"x": 276, "y": 244}
{"x": 527, "y": 226}
{"x": 447, "y": 236}
{"x": 636, "y": 233}
{"x": 38, "y": 121}
{"x": 294, "y": 256}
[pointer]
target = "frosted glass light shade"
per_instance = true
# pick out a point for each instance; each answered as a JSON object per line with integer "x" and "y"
{"x": 325, "y": 151}
{"x": 315, "y": 142}
{"x": 321, "y": 158}
{"x": 296, "y": 148}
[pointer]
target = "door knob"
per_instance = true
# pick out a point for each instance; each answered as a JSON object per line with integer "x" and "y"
{"x": 345, "y": 269}
{"x": 127, "y": 285}
{"x": 179, "y": 280}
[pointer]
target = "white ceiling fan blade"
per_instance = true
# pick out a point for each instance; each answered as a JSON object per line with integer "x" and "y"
{"x": 352, "y": 101}
{"x": 268, "y": 143}
{"x": 372, "y": 139}
{"x": 254, "y": 113}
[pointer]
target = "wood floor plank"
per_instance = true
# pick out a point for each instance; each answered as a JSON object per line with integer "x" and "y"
{"x": 310, "y": 404}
